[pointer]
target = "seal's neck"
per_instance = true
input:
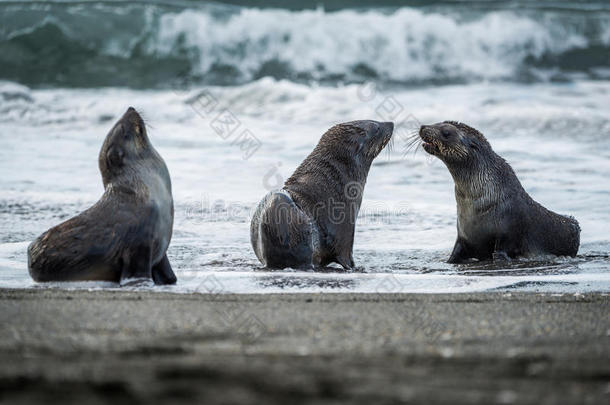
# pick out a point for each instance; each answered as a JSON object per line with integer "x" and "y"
{"x": 480, "y": 179}
{"x": 326, "y": 174}
{"x": 140, "y": 178}
{"x": 327, "y": 182}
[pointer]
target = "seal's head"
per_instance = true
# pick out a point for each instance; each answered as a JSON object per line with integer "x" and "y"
{"x": 126, "y": 145}
{"x": 453, "y": 142}
{"x": 359, "y": 139}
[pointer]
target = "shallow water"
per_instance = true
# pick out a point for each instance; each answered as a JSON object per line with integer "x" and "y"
{"x": 406, "y": 227}
{"x": 508, "y": 72}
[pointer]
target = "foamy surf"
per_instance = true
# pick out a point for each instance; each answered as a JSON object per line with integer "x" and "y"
{"x": 529, "y": 76}
{"x": 406, "y": 226}
{"x": 153, "y": 44}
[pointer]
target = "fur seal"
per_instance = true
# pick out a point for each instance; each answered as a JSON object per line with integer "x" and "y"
{"x": 311, "y": 221}
{"x": 125, "y": 235}
{"x": 496, "y": 217}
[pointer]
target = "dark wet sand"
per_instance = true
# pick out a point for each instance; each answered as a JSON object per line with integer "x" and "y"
{"x": 142, "y": 347}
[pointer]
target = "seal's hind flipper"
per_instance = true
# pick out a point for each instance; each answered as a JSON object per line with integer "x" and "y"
{"x": 500, "y": 256}
{"x": 284, "y": 234}
{"x": 162, "y": 272}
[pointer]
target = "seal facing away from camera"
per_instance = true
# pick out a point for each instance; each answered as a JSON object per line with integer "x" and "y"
{"x": 311, "y": 221}
{"x": 125, "y": 235}
{"x": 497, "y": 219}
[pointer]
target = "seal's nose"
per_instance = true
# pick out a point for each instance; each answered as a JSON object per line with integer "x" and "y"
{"x": 131, "y": 114}
{"x": 388, "y": 127}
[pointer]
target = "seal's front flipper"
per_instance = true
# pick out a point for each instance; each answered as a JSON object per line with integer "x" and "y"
{"x": 162, "y": 272}
{"x": 502, "y": 247}
{"x": 500, "y": 256}
{"x": 136, "y": 269}
{"x": 459, "y": 254}
{"x": 346, "y": 261}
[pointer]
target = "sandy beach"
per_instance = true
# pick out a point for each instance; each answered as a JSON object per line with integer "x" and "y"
{"x": 145, "y": 347}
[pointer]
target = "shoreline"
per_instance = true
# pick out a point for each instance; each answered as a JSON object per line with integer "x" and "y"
{"x": 157, "y": 347}
{"x": 461, "y": 281}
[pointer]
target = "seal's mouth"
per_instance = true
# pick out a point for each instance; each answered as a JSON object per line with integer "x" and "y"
{"x": 388, "y": 131}
{"x": 430, "y": 144}
{"x": 383, "y": 139}
{"x": 430, "y": 147}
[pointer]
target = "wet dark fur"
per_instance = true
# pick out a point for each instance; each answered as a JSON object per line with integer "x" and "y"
{"x": 125, "y": 235}
{"x": 496, "y": 217}
{"x": 311, "y": 221}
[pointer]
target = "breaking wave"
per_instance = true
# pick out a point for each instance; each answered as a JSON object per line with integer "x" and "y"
{"x": 158, "y": 45}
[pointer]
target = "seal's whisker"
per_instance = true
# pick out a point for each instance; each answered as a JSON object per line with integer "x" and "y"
{"x": 413, "y": 143}
{"x": 417, "y": 147}
{"x": 390, "y": 147}
{"x": 147, "y": 122}
{"x": 412, "y": 136}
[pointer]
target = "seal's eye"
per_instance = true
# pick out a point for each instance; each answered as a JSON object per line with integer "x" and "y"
{"x": 445, "y": 133}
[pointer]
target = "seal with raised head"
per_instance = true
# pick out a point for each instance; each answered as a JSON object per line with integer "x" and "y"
{"x": 125, "y": 235}
{"x": 311, "y": 221}
{"x": 496, "y": 217}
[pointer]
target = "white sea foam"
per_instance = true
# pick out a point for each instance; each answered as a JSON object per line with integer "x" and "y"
{"x": 404, "y": 45}
{"x": 552, "y": 134}
{"x": 149, "y": 44}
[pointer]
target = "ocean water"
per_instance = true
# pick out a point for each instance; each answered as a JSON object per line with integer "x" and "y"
{"x": 533, "y": 77}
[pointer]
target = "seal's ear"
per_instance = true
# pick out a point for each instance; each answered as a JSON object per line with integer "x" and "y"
{"x": 115, "y": 156}
{"x": 471, "y": 143}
